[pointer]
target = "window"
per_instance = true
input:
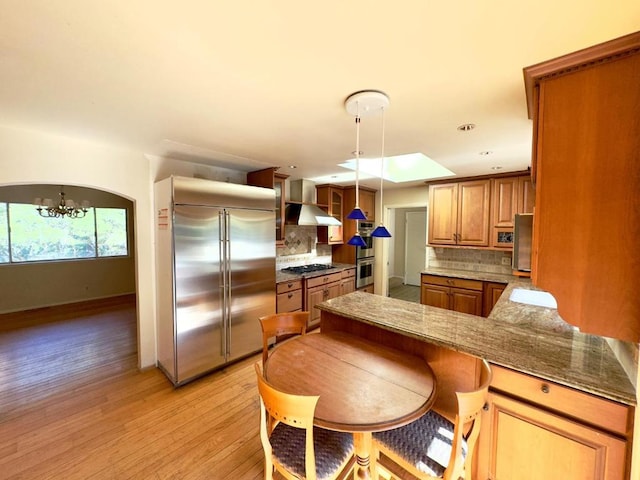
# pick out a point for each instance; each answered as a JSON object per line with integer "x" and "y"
{"x": 27, "y": 237}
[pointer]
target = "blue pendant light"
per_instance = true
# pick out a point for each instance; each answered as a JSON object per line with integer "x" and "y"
{"x": 357, "y": 241}
{"x": 381, "y": 231}
{"x": 365, "y": 102}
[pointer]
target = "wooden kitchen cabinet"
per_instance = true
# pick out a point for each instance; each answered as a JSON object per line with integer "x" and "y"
{"x": 509, "y": 196}
{"x": 586, "y": 166}
{"x": 270, "y": 178}
{"x": 457, "y": 294}
{"x": 459, "y": 213}
{"x": 318, "y": 289}
{"x": 331, "y": 196}
{"x": 345, "y": 253}
{"x": 491, "y": 294}
{"x": 526, "y": 194}
{"x": 348, "y": 281}
{"x": 289, "y": 296}
{"x": 533, "y": 429}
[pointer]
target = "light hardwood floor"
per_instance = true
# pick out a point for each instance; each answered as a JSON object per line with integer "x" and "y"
{"x": 73, "y": 404}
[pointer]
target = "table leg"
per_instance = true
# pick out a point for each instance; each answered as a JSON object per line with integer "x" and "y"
{"x": 362, "y": 444}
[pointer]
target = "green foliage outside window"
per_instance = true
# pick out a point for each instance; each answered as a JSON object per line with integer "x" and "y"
{"x": 102, "y": 232}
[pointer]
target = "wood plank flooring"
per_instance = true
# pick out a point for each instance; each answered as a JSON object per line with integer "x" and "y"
{"x": 73, "y": 404}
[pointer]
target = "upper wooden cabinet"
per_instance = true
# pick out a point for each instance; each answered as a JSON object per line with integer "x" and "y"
{"x": 270, "y": 178}
{"x": 585, "y": 107}
{"x": 366, "y": 202}
{"x": 509, "y": 196}
{"x": 459, "y": 213}
{"x": 346, "y": 253}
{"x": 331, "y": 197}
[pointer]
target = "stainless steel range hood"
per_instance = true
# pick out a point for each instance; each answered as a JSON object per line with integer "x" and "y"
{"x": 302, "y": 209}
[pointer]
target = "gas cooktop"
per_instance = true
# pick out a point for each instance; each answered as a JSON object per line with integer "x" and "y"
{"x": 314, "y": 267}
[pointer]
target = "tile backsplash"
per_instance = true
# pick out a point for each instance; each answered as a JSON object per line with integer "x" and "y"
{"x": 301, "y": 248}
{"x": 469, "y": 259}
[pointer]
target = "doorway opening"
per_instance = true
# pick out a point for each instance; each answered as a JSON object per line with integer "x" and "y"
{"x": 407, "y": 252}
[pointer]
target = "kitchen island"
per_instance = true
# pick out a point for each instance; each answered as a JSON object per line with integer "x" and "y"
{"x": 556, "y": 392}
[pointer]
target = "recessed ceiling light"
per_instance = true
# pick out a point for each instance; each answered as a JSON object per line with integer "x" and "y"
{"x": 465, "y": 127}
{"x": 486, "y": 152}
{"x": 497, "y": 167}
{"x": 292, "y": 166}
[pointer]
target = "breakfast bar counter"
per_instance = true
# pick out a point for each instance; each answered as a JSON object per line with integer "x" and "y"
{"x": 524, "y": 338}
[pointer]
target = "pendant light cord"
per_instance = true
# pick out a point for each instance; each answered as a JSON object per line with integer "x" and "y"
{"x": 357, "y": 155}
{"x": 382, "y": 170}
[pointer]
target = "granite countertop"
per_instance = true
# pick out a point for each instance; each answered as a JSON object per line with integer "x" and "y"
{"x": 484, "y": 276}
{"x": 335, "y": 268}
{"x": 525, "y": 338}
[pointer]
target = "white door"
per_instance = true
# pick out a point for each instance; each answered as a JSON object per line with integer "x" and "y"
{"x": 415, "y": 246}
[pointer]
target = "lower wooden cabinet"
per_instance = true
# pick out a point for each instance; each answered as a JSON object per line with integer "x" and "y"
{"x": 289, "y": 296}
{"x": 533, "y": 430}
{"x": 367, "y": 289}
{"x": 491, "y": 294}
{"x": 460, "y": 295}
{"x": 319, "y": 289}
{"x": 348, "y": 281}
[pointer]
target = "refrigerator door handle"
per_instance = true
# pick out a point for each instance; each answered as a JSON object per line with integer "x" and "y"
{"x": 227, "y": 264}
{"x": 222, "y": 282}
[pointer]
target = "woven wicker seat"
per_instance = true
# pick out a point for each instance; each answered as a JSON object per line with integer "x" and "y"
{"x": 277, "y": 324}
{"x": 294, "y": 447}
{"x": 432, "y": 446}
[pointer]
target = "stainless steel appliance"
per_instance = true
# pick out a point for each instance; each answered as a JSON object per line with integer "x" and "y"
{"x": 522, "y": 240}
{"x": 215, "y": 265}
{"x": 364, "y": 272}
{"x": 365, "y": 229}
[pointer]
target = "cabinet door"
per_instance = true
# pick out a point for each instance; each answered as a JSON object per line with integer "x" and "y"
{"x": 526, "y": 194}
{"x": 443, "y": 214}
{"x": 368, "y": 204}
{"x": 314, "y": 296}
{"x": 434, "y": 295}
{"x": 524, "y": 442}
{"x": 465, "y": 301}
{"x": 335, "y": 210}
{"x": 347, "y": 285}
{"x": 504, "y": 201}
{"x": 491, "y": 295}
{"x": 473, "y": 213}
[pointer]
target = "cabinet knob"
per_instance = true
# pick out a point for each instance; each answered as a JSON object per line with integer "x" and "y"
{"x": 485, "y": 407}
{"x": 290, "y": 285}
{"x": 544, "y": 388}
{"x": 290, "y": 295}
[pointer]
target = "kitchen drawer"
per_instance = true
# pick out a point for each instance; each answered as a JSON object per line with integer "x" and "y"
{"x": 453, "y": 282}
{"x": 323, "y": 279}
{"x": 289, "y": 301}
{"x": 283, "y": 287}
{"x": 350, "y": 272}
{"x": 584, "y": 407}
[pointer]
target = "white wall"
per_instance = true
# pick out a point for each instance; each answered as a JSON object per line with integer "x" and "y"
{"x": 34, "y": 157}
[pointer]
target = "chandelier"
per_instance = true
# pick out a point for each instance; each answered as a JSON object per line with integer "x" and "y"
{"x": 65, "y": 208}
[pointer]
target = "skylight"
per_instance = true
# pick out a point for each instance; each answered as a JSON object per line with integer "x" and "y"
{"x": 401, "y": 168}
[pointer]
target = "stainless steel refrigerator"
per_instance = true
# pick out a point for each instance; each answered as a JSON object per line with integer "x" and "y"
{"x": 215, "y": 273}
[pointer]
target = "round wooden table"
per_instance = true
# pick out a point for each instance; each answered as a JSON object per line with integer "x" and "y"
{"x": 364, "y": 387}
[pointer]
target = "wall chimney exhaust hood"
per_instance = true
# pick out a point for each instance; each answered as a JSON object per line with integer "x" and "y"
{"x": 301, "y": 208}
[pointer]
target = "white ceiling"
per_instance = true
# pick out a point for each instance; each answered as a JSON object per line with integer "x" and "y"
{"x": 252, "y": 84}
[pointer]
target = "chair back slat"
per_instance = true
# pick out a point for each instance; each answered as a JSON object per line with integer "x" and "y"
{"x": 277, "y": 324}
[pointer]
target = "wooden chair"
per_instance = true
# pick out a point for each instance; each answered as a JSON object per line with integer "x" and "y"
{"x": 432, "y": 446}
{"x": 277, "y": 324}
{"x": 292, "y": 445}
